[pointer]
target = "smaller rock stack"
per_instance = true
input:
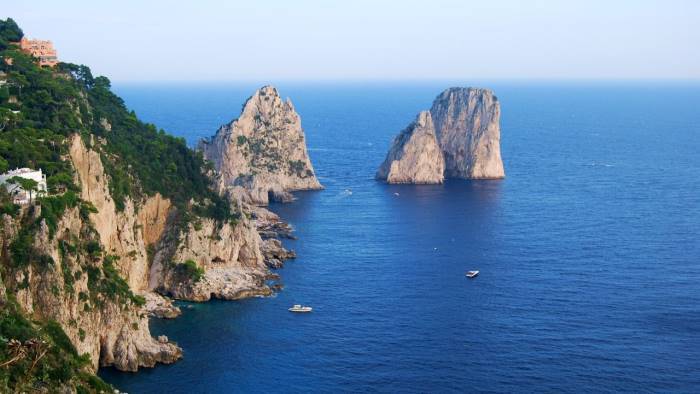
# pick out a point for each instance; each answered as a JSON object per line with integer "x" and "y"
{"x": 415, "y": 155}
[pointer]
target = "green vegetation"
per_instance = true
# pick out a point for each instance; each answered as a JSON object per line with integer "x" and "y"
{"x": 39, "y": 357}
{"x": 106, "y": 283}
{"x": 298, "y": 167}
{"x": 139, "y": 159}
{"x": 142, "y": 160}
{"x": 6, "y": 204}
{"x": 9, "y": 32}
{"x": 29, "y": 185}
{"x": 189, "y": 271}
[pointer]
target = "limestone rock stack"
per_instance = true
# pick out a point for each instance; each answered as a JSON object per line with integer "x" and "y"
{"x": 263, "y": 152}
{"x": 468, "y": 131}
{"x": 458, "y": 138}
{"x": 415, "y": 155}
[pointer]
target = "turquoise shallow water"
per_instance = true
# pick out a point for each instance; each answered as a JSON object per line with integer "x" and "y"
{"x": 589, "y": 250}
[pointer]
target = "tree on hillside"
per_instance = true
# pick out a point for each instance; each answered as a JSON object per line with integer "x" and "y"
{"x": 9, "y": 32}
{"x": 29, "y": 185}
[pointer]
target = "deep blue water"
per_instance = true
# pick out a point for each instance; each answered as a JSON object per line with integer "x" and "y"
{"x": 589, "y": 250}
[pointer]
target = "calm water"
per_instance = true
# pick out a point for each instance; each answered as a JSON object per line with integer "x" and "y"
{"x": 589, "y": 251}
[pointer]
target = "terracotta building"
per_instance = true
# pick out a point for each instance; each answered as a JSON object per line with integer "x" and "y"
{"x": 41, "y": 49}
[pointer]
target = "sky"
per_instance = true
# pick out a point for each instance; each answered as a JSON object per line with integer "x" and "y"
{"x": 208, "y": 40}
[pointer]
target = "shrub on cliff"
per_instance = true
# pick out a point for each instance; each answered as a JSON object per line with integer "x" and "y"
{"x": 190, "y": 271}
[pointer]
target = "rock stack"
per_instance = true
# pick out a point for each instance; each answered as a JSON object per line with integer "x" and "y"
{"x": 262, "y": 155}
{"x": 464, "y": 124}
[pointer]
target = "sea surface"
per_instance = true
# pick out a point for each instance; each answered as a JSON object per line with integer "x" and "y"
{"x": 589, "y": 250}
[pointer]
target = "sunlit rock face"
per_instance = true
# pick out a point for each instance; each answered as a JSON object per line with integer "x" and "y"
{"x": 467, "y": 128}
{"x": 263, "y": 152}
{"x": 415, "y": 156}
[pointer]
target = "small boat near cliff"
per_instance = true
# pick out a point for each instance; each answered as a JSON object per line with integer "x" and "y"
{"x": 300, "y": 309}
{"x": 472, "y": 274}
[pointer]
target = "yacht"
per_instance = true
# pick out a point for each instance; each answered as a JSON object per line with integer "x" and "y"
{"x": 300, "y": 308}
{"x": 472, "y": 274}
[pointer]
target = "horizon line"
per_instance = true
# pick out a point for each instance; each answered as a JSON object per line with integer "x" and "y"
{"x": 403, "y": 80}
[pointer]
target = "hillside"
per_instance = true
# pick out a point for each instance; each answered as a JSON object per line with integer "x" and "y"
{"x": 129, "y": 215}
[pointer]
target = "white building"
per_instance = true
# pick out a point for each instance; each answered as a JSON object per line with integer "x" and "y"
{"x": 19, "y": 195}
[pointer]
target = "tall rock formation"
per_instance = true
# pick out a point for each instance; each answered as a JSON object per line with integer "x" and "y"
{"x": 263, "y": 152}
{"x": 415, "y": 155}
{"x": 458, "y": 138}
{"x": 467, "y": 128}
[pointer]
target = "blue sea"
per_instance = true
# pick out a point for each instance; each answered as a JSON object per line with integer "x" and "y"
{"x": 589, "y": 250}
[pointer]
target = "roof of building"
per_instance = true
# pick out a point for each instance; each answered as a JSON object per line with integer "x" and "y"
{"x": 21, "y": 171}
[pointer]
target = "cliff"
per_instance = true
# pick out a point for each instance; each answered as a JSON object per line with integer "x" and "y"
{"x": 463, "y": 139}
{"x": 415, "y": 156}
{"x": 262, "y": 154}
{"x": 131, "y": 215}
{"x": 468, "y": 131}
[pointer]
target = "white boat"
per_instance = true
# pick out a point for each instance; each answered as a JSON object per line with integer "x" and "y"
{"x": 300, "y": 308}
{"x": 472, "y": 274}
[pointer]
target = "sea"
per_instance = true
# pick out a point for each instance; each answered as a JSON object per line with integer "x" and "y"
{"x": 588, "y": 250}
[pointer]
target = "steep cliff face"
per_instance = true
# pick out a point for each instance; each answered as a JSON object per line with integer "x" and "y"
{"x": 227, "y": 257}
{"x": 79, "y": 284}
{"x": 70, "y": 288}
{"x": 67, "y": 287}
{"x": 111, "y": 328}
{"x": 468, "y": 131}
{"x": 263, "y": 151}
{"x": 120, "y": 232}
{"x": 415, "y": 156}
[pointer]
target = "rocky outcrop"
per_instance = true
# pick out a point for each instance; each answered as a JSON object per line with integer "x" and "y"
{"x": 468, "y": 131}
{"x": 263, "y": 152}
{"x": 415, "y": 156}
{"x": 458, "y": 138}
{"x": 269, "y": 225}
{"x": 160, "y": 307}
{"x": 229, "y": 255}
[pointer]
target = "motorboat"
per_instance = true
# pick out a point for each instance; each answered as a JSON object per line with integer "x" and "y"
{"x": 300, "y": 308}
{"x": 472, "y": 274}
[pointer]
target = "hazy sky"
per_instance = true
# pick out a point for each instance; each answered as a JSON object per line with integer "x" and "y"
{"x": 315, "y": 39}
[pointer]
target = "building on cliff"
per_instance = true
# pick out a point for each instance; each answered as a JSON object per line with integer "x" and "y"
{"x": 41, "y": 49}
{"x": 19, "y": 195}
